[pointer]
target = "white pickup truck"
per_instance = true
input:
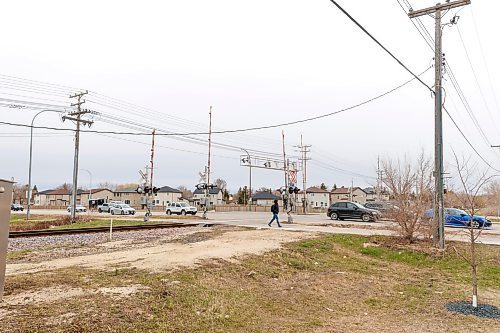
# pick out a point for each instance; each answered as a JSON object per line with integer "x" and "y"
{"x": 106, "y": 207}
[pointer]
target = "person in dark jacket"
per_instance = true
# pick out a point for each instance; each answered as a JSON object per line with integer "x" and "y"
{"x": 275, "y": 209}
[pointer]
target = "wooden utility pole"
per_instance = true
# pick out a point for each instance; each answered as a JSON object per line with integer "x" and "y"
{"x": 207, "y": 171}
{"x": 149, "y": 203}
{"x": 77, "y": 118}
{"x": 304, "y": 149}
{"x": 437, "y": 10}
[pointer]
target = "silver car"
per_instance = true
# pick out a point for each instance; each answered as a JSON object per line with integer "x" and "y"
{"x": 122, "y": 209}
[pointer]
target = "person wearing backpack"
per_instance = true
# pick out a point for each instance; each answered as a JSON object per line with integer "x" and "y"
{"x": 275, "y": 209}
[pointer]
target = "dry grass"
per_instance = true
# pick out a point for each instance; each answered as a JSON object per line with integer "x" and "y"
{"x": 328, "y": 284}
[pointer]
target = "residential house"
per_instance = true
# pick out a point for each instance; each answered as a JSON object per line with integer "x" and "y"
{"x": 128, "y": 196}
{"x": 96, "y": 196}
{"x": 355, "y": 194}
{"x": 41, "y": 198}
{"x": 56, "y": 198}
{"x": 371, "y": 194}
{"x": 215, "y": 197}
{"x": 316, "y": 197}
{"x": 265, "y": 198}
{"x": 166, "y": 195}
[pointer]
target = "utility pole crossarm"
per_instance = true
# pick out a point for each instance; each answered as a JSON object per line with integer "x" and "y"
{"x": 438, "y": 7}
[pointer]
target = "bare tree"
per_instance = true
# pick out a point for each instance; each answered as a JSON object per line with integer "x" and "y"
{"x": 66, "y": 186}
{"x": 19, "y": 193}
{"x": 186, "y": 193}
{"x": 108, "y": 185}
{"x": 126, "y": 185}
{"x": 410, "y": 185}
{"x": 221, "y": 183}
{"x": 472, "y": 181}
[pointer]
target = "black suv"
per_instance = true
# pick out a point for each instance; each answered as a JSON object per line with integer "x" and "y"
{"x": 352, "y": 210}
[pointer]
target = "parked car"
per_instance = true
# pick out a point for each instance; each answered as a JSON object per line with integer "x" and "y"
{"x": 105, "y": 207}
{"x": 353, "y": 210}
{"x": 79, "y": 208}
{"x": 122, "y": 209}
{"x": 16, "y": 207}
{"x": 384, "y": 208}
{"x": 180, "y": 208}
{"x": 454, "y": 217}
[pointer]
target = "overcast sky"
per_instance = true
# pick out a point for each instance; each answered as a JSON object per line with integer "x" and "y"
{"x": 257, "y": 63}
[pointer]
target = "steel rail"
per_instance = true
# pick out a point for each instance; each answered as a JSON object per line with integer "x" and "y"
{"x": 55, "y": 232}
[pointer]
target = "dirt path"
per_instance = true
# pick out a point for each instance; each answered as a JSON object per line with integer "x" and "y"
{"x": 169, "y": 256}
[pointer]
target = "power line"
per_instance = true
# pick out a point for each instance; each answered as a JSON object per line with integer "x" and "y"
{"x": 456, "y": 86}
{"x": 236, "y": 130}
{"x": 380, "y": 44}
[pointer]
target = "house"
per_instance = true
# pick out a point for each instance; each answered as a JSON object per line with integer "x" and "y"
{"x": 56, "y": 198}
{"x": 128, "y": 196}
{"x": 96, "y": 196}
{"x": 355, "y": 194}
{"x": 215, "y": 195}
{"x": 167, "y": 194}
{"x": 371, "y": 194}
{"x": 316, "y": 197}
{"x": 41, "y": 198}
{"x": 265, "y": 198}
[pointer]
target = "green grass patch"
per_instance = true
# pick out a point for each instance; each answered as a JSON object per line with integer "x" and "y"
{"x": 329, "y": 283}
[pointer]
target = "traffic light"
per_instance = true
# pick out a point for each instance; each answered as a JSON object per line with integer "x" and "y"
{"x": 155, "y": 189}
{"x": 290, "y": 189}
{"x": 147, "y": 189}
{"x": 139, "y": 190}
{"x": 296, "y": 190}
{"x": 201, "y": 186}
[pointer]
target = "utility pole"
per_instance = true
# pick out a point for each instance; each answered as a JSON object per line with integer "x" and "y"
{"x": 207, "y": 171}
{"x": 304, "y": 149}
{"x": 77, "y": 118}
{"x": 149, "y": 203}
{"x": 438, "y": 116}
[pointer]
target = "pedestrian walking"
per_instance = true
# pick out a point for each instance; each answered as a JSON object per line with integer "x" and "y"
{"x": 275, "y": 209}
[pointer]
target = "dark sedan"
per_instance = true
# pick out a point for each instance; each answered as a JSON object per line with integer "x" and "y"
{"x": 352, "y": 210}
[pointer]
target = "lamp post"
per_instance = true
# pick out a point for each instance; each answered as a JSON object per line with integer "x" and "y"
{"x": 250, "y": 181}
{"x": 90, "y": 186}
{"x": 28, "y": 209}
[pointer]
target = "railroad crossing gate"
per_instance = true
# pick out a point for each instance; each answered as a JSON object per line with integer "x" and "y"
{"x": 5, "y": 201}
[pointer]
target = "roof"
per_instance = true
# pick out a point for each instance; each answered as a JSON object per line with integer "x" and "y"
{"x": 341, "y": 190}
{"x": 61, "y": 191}
{"x": 127, "y": 190}
{"x": 168, "y": 189}
{"x": 45, "y": 192}
{"x": 369, "y": 190}
{"x": 316, "y": 189}
{"x": 264, "y": 196}
{"x": 346, "y": 190}
{"x": 96, "y": 190}
{"x": 211, "y": 191}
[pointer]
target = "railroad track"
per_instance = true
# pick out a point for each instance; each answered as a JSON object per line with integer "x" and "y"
{"x": 54, "y": 232}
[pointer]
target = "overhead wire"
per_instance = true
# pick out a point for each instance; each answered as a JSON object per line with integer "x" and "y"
{"x": 456, "y": 87}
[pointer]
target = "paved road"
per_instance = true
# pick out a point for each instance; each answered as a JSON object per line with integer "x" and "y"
{"x": 311, "y": 222}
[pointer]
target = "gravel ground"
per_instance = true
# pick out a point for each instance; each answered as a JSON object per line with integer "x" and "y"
{"x": 482, "y": 310}
{"x": 51, "y": 247}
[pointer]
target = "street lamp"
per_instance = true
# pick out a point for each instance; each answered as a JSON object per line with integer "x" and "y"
{"x": 250, "y": 183}
{"x": 90, "y": 188}
{"x": 28, "y": 210}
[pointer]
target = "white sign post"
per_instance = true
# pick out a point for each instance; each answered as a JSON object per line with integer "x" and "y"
{"x": 5, "y": 201}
